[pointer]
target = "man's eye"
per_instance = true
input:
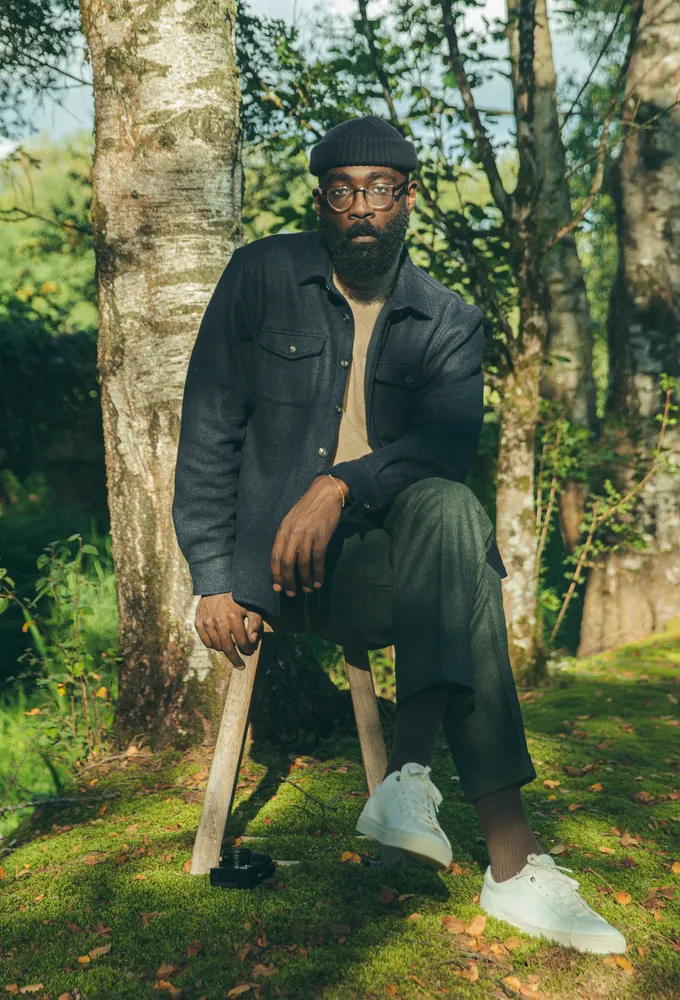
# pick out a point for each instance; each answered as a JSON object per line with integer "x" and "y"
{"x": 339, "y": 192}
{"x": 380, "y": 188}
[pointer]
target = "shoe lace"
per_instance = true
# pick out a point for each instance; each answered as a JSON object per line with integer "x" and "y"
{"x": 420, "y": 795}
{"x": 556, "y": 881}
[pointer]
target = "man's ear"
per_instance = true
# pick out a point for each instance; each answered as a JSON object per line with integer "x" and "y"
{"x": 317, "y": 200}
{"x": 411, "y": 193}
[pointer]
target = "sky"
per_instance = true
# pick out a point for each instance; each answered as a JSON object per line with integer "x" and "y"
{"x": 77, "y": 109}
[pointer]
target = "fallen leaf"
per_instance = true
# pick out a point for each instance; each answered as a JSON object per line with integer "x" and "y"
{"x": 454, "y": 925}
{"x": 551, "y": 783}
{"x": 573, "y": 772}
{"x": 623, "y": 963}
{"x": 675, "y": 867}
{"x": 34, "y": 711}
{"x": 33, "y": 988}
{"x": 642, "y": 949}
{"x": 186, "y": 867}
{"x": 164, "y": 970}
{"x": 146, "y": 917}
{"x": 103, "y": 949}
{"x": 418, "y": 981}
{"x": 132, "y": 750}
{"x": 238, "y": 990}
{"x": 84, "y": 959}
{"x": 558, "y": 849}
{"x": 574, "y": 805}
{"x": 101, "y": 692}
{"x": 94, "y": 859}
{"x": 64, "y": 996}
{"x": 263, "y": 970}
{"x": 139, "y": 877}
{"x": 194, "y": 948}
{"x": 597, "y": 787}
{"x": 477, "y": 925}
{"x": 643, "y": 798}
{"x": 471, "y": 974}
{"x": 606, "y": 850}
{"x": 392, "y": 990}
{"x": 13, "y": 988}
{"x": 512, "y": 942}
{"x": 3, "y": 873}
{"x": 386, "y": 895}
{"x": 351, "y": 856}
{"x": 414, "y": 916}
{"x": 623, "y": 897}
{"x": 175, "y": 992}
{"x": 512, "y": 981}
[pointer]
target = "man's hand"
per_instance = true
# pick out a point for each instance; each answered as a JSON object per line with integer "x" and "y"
{"x": 220, "y": 624}
{"x": 304, "y": 534}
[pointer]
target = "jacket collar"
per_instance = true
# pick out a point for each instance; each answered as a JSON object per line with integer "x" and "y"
{"x": 409, "y": 292}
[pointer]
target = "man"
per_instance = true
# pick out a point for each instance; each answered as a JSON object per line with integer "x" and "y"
{"x": 332, "y": 409}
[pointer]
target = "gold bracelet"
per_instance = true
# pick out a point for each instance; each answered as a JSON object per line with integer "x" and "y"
{"x": 339, "y": 487}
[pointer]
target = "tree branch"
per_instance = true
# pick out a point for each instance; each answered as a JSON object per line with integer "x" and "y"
{"x": 486, "y": 153}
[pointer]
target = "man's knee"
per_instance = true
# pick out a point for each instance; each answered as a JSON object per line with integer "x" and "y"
{"x": 434, "y": 494}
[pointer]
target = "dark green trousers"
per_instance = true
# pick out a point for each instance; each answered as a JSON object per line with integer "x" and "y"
{"x": 418, "y": 579}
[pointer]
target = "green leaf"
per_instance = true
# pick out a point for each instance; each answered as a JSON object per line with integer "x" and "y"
{"x": 91, "y": 550}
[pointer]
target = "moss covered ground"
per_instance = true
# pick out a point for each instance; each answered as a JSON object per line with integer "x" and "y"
{"x": 97, "y": 904}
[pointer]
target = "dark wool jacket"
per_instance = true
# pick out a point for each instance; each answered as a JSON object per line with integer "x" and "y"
{"x": 263, "y": 399}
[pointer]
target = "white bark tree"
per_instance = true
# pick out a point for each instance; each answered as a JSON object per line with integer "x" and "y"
{"x": 166, "y": 213}
{"x": 634, "y": 592}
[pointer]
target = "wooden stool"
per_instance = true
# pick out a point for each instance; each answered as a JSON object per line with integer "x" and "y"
{"x": 226, "y": 762}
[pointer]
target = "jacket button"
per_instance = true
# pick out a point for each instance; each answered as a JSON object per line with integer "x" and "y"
{"x": 347, "y": 317}
{"x": 367, "y": 505}
{"x": 338, "y": 409}
{"x": 292, "y": 348}
{"x": 323, "y": 452}
{"x": 345, "y": 364}
{"x": 408, "y": 380}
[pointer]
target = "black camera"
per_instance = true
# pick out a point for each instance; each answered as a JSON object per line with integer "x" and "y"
{"x": 241, "y": 868}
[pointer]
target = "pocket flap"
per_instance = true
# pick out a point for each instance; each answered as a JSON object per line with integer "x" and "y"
{"x": 291, "y": 344}
{"x": 402, "y": 373}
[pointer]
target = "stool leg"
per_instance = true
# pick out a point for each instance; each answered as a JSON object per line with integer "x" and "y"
{"x": 225, "y": 766}
{"x": 370, "y": 733}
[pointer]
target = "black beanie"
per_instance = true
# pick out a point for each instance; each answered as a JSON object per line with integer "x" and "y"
{"x": 367, "y": 141}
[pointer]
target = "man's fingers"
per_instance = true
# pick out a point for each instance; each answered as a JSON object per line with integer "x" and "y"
{"x": 304, "y": 561}
{"x": 255, "y": 626}
{"x": 275, "y": 558}
{"x": 318, "y": 561}
{"x": 288, "y": 560}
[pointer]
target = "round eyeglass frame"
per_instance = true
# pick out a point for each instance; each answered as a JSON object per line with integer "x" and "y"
{"x": 365, "y": 190}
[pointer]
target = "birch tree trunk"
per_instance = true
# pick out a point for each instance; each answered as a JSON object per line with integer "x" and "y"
{"x": 166, "y": 213}
{"x": 569, "y": 382}
{"x": 632, "y": 593}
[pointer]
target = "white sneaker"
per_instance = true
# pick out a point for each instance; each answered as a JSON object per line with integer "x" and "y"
{"x": 541, "y": 900}
{"x": 402, "y": 812}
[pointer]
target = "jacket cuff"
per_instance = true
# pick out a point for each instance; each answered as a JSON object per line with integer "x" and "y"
{"x": 361, "y": 482}
{"x": 212, "y": 576}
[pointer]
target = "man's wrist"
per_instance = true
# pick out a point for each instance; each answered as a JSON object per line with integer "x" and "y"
{"x": 341, "y": 484}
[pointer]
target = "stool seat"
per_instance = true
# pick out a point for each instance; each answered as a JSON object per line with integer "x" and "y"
{"x": 226, "y": 762}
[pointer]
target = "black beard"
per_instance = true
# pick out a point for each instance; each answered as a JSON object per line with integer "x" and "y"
{"x": 363, "y": 261}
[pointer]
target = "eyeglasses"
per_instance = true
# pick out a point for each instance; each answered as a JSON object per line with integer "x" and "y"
{"x": 381, "y": 196}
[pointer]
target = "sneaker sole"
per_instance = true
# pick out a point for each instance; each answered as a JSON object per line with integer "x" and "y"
{"x": 415, "y": 846}
{"x": 598, "y": 945}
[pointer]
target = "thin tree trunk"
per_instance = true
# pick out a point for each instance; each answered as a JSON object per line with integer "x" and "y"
{"x": 568, "y": 378}
{"x": 166, "y": 214}
{"x": 633, "y": 592}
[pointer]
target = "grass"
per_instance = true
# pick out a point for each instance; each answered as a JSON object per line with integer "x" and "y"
{"x": 112, "y": 872}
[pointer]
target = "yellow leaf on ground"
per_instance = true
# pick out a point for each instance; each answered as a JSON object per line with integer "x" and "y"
{"x": 558, "y": 849}
{"x": 84, "y": 959}
{"x": 642, "y": 949}
{"x": 3, "y": 873}
{"x": 175, "y": 992}
{"x": 34, "y": 711}
{"x": 139, "y": 877}
{"x": 606, "y": 850}
{"x": 512, "y": 981}
{"x": 414, "y": 916}
{"x": 33, "y": 988}
{"x": 574, "y": 805}
{"x": 194, "y": 948}
{"x": 102, "y": 692}
{"x": 186, "y": 867}
{"x": 471, "y": 973}
{"x": 477, "y": 925}
{"x": 675, "y": 868}
{"x": 64, "y": 996}
{"x": 165, "y": 969}
{"x": 103, "y": 949}
{"x": 238, "y": 990}
{"x": 597, "y": 787}
{"x": 623, "y": 963}
{"x": 351, "y": 856}
{"x": 552, "y": 783}
{"x": 12, "y": 988}
{"x": 623, "y": 897}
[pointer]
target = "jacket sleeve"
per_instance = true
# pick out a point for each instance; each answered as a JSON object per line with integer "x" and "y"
{"x": 214, "y": 419}
{"x": 445, "y": 424}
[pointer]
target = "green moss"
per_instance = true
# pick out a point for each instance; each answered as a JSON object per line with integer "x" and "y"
{"x": 354, "y": 946}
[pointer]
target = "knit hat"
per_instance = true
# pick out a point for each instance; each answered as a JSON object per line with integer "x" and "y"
{"x": 367, "y": 141}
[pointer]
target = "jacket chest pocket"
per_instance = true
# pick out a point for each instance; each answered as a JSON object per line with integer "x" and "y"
{"x": 288, "y": 366}
{"x": 394, "y": 389}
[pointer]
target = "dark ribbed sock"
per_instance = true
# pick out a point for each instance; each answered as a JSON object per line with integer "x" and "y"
{"x": 418, "y": 721}
{"x": 509, "y": 837}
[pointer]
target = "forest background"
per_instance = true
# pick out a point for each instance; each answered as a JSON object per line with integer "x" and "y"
{"x": 536, "y": 211}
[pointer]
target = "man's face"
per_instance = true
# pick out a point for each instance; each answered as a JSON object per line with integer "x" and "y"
{"x": 363, "y": 240}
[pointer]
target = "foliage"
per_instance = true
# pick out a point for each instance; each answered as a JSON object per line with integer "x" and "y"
{"x": 71, "y": 621}
{"x": 37, "y": 40}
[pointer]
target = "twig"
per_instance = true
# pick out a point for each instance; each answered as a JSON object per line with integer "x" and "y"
{"x": 63, "y": 800}
{"x": 312, "y": 798}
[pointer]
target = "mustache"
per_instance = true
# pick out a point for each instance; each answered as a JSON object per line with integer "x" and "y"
{"x": 361, "y": 228}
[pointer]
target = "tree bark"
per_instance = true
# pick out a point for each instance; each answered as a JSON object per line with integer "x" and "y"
{"x": 569, "y": 382}
{"x": 166, "y": 213}
{"x": 633, "y": 592}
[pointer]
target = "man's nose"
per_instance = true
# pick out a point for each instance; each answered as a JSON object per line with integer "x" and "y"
{"x": 361, "y": 209}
